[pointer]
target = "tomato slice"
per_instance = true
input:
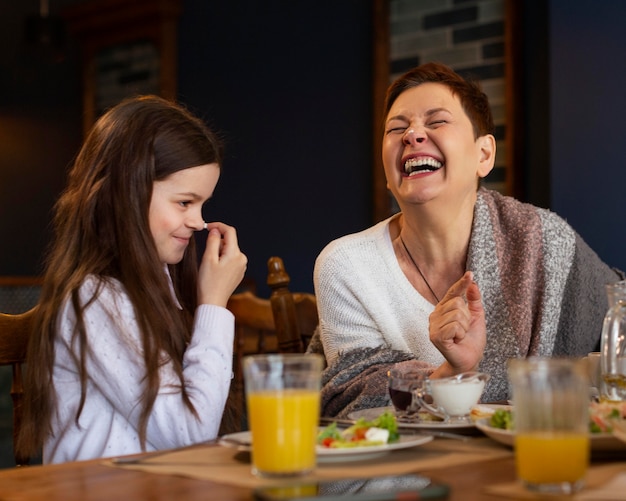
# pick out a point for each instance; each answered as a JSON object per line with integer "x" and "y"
{"x": 359, "y": 434}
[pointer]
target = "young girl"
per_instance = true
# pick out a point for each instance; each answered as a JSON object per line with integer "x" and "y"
{"x": 132, "y": 346}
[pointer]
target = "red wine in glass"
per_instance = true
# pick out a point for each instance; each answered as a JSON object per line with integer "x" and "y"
{"x": 402, "y": 384}
{"x": 400, "y": 399}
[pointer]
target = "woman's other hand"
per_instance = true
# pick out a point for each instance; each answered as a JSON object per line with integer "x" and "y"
{"x": 223, "y": 265}
{"x": 458, "y": 329}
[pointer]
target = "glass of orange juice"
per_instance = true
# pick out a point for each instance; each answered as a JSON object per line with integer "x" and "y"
{"x": 551, "y": 420}
{"x": 283, "y": 399}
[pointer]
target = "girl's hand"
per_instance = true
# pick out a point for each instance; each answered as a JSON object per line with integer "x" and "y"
{"x": 223, "y": 265}
{"x": 458, "y": 329}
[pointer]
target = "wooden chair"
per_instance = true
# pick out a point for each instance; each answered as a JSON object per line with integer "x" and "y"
{"x": 295, "y": 314}
{"x": 284, "y": 323}
{"x": 14, "y": 333}
{"x": 254, "y": 328}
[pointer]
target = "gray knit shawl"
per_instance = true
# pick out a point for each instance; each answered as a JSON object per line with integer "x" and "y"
{"x": 543, "y": 291}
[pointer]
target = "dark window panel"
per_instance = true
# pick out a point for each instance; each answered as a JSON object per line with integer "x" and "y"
{"x": 483, "y": 72}
{"x": 500, "y": 132}
{"x": 497, "y": 175}
{"x": 495, "y": 29}
{"x": 450, "y": 18}
{"x": 402, "y": 65}
{"x": 495, "y": 49}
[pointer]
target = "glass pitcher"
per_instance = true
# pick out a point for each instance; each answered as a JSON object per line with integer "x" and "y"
{"x": 613, "y": 345}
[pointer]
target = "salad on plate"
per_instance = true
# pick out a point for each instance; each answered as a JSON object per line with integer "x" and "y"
{"x": 603, "y": 416}
{"x": 363, "y": 433}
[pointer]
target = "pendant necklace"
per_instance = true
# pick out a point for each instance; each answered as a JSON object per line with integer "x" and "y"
{"x": 418, "y": 269}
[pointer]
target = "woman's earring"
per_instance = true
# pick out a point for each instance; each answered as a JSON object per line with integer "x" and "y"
{"x": 205, "y": 225}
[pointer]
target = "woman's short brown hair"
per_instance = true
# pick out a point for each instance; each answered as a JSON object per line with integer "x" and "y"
{"x": 473, "y": 99}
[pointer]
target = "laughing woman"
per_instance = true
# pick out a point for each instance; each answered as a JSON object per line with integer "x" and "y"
{"x": 462, "y": 278}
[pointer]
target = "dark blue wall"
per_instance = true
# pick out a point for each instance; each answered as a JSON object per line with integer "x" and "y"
{"x": 588, "y": 121}
{"x": 40, "y": 131}
{"x": 289, "y": 86}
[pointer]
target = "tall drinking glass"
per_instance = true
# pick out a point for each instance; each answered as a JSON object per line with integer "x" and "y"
{"x": 283, "y": 398}
{"x": 551, "y": 419}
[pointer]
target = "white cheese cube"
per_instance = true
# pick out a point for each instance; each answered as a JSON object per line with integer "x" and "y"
{"x": 377, "y": 435}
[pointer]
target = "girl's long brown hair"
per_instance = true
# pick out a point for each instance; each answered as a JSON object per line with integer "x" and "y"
{"x": 101, "y": 229}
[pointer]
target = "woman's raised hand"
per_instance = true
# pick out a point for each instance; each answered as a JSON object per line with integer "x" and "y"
{"x": 223, "y": 265}
{"x": 458, "y": 329}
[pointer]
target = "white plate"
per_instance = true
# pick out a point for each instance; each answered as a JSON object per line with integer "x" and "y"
{"x": 619, "y": 430}
{"x": 599, "y": 441}
{"x": 374, "y": 412}
{"x": 620, "y": 435}
{"x": 243, "y": 439}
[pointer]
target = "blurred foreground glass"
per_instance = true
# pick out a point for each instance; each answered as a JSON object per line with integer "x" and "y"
{"x": 613, "y": 345}
{"x": 551, "y": 419}
{"x": 283, "y": 398}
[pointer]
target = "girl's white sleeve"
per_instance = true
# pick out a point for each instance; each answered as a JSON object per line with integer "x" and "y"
{"x": 116, "y": 369}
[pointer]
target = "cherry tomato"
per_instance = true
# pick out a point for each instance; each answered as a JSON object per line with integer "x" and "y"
{"x": 327, "y": 441}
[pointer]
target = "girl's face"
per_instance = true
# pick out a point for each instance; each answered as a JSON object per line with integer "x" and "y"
{"x": 176, "y": 209}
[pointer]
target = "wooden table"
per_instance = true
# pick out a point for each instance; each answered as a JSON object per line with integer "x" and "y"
{"x": 93, "y": 480}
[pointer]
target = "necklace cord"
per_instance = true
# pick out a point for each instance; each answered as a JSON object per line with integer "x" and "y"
{"x": 418, "y": 269}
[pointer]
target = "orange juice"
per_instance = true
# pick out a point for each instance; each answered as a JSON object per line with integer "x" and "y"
{"x": 552, "y": 457}
{"x": 284, "y": 430}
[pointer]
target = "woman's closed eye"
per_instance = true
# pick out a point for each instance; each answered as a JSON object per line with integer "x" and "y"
{"x": 396, "y": 130}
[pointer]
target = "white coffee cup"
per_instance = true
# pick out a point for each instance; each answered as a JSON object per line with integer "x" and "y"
{"x": 452, "y": 397}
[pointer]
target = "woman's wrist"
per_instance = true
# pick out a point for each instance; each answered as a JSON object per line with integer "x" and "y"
{"x": 444, "y": 370}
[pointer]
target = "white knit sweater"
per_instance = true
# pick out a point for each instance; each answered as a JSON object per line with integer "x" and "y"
{"x": 365, "y": 300}
{"x": 108, "y": 424}
{"x": 543, "y": 291}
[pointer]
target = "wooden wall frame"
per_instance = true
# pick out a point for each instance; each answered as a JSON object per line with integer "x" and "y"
{"x": 381, "y": 203}
{"x": 101, "y": 25}
{"x": 20, "y": 281}
{"x": 513, "y": 26}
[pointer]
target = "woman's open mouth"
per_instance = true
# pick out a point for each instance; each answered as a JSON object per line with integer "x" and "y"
{"x": 421, "y": 165}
